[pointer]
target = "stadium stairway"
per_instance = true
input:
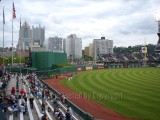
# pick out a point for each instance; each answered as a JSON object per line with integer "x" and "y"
{"x": 35, "y": 113}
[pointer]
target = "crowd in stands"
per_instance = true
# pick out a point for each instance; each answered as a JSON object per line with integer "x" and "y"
{"x": 133, "y": 57}
{"x": 16, "y": 101}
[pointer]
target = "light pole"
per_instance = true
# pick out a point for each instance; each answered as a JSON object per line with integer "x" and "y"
{"x": 14, "y": 60}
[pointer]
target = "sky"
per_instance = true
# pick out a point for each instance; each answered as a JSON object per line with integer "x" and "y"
{"x": 126, "y": 22}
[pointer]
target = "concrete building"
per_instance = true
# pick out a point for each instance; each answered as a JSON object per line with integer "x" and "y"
{"x": 91, "y": 49}
{"x": 32, "y": 39}
{"x": 25, "y": 37}
{"x": 86, "y": 51}
{"x": 55, "y": 44}
{"x": 73, "y": 47}
{"x": 103, "y": 46}
{"x": 38, "y": 35}
{"x": 35, "y": 47}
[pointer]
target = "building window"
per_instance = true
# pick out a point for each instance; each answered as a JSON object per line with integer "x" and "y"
{"x": 25, "y": 33}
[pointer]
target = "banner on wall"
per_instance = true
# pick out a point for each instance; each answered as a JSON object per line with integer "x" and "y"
{"x": 100, "y": 67}
{"x": 88, "y": 68}
{"x": 79, "y": 69}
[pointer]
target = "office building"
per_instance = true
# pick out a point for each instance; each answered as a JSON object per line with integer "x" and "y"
{"x": 38, "y": 35}
{"x": 55, "y": 44}
{"x": 102, "y": 46}
{"x": 73, "y": 47}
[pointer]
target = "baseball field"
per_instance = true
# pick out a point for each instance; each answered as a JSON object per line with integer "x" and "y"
{"x": 131, "y": 92}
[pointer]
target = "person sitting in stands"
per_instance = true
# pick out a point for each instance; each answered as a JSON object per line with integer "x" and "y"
{"x": 13, "y": 90}
{"x": 22, "y": 108}
{"x": 53, "y": 98}
{"x": 55, "y": 103}
{"x": 63, "y": 98}
{"x": 38, "y": 94}
{"x": 22, "y": 91}
{"x": 10, "y": 110}
{"x": 44, "y": 117}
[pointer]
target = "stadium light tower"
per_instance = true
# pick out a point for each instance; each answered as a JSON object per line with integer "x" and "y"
{"x": 157, "y": 17}
{"x": 144, "y": 52}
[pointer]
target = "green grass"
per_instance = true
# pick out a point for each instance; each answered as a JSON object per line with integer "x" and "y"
{"x": 134, "y": 92}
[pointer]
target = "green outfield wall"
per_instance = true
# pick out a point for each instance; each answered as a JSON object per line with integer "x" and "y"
{"x": 45, "y": 60}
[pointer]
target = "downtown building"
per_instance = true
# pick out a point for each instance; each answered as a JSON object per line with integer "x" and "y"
{"x": 25, "y": 37}
{"x": 102, "y": 46}
{"x": 38, "y": 35}
{"x": 31, "y": 39}
{"x": 55, "y": 44}
{"x": 73, "y": 47}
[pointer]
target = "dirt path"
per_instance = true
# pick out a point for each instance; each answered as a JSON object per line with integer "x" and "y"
{"x": 95, "y": 109}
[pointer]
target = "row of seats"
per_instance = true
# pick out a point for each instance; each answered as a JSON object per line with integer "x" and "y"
{"x": 37, "y": 105}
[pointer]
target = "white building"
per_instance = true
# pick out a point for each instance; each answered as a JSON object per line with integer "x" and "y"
{"x": 55, "y": 44}
{"x": 103, "y": 46}
{"x": 39, "y": 35}
{"x": 73, "y": 47}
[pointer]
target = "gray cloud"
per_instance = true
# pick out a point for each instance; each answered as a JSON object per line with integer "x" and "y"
{"x": 124, "y": 21}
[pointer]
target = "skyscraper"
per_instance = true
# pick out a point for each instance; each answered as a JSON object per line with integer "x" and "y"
{"x": 73, "y": 47}
{"x": 103, "y": 46}
{"x": 38, "y": 35}
{"x": 25, "y": 37}
{"x": 29, "y": 37}
{"x": 55, "y": 44}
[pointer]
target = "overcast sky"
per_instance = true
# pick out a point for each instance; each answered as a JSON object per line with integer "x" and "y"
{"x": 126, "y": 22}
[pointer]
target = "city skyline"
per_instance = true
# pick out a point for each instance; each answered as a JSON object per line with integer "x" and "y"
{"x": 126, "y": 22}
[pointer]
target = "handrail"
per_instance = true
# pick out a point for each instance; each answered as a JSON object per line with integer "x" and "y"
{"x": 80, "y": 112}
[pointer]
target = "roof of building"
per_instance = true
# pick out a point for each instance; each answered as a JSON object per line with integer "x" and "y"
{"x": 25, "y": 25}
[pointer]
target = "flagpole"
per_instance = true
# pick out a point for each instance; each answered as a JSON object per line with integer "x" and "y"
{"x": 20, "y": 47}
{"x": 3, "y": 34}
{"x": 12, "y": 33}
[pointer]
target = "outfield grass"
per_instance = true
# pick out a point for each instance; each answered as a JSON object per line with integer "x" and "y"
{"x": 132, "y": 92}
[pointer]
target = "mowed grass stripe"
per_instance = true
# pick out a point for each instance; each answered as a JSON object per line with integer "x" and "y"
{"x": 94, "y": 86}
{"x": 150, "y": 75}
{"x": 128, "y": 108}
{"x": 148, "y": 105}
{"x": 137, "y": 102}
{"x": 134, "y": 83}
{"x": 98, "y": 89}
{"x": 140, "y": 94}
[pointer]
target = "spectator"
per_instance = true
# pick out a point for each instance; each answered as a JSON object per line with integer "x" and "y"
{"x": 70, "y": 111}
{"x": 63, "y": 98}
{"x": 1, "y": 83}
{"x": 43, "y": 106}
{"x": 10, "y": 110}
{"x": 13, "y": 90}
{"x": 31, "y": 102}
{"x": 22, "y": 108}
{"x": 68, "y": 115}
{"x": 44, "y": 117}
{"x": 22, "y": 91}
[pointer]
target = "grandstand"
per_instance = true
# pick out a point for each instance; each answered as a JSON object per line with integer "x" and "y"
{"x": 126, "y": 59}
{"x": 36, "y": 113}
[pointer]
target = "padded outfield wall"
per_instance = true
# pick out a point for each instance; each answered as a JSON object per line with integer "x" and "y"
{"x": 45, "y": 60}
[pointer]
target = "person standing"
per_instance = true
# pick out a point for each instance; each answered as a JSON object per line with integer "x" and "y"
{"x": 43, "y": 107}
{"x": 13, "y": 90}
{"x": 31, "y": 102}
